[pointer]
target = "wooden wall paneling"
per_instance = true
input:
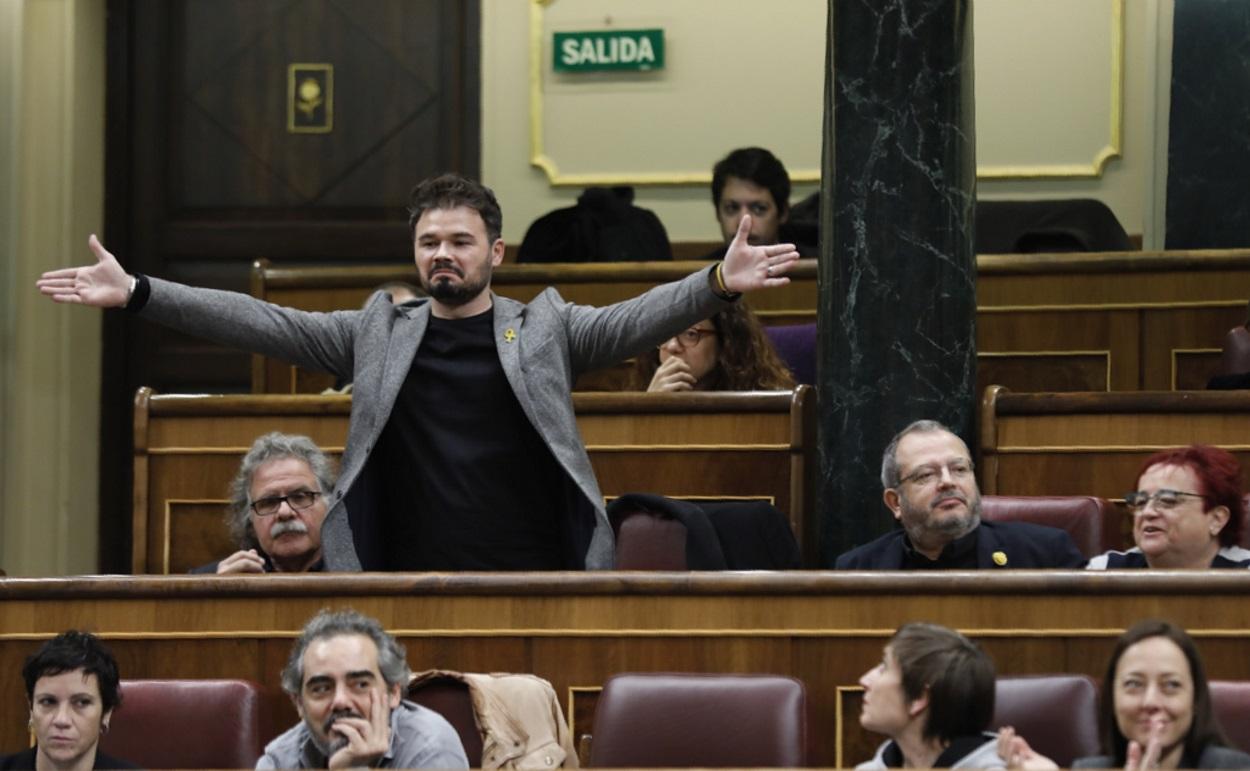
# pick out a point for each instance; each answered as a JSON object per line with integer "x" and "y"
{"x": 1186, "y": 335}
{"x": 203, "y": 176}
{"x": 750, "y": 446}
{"x": 1192, "y": 368}
{"x": 1045, "y": 322}
{"x": 1073, "y": 339}
{"x": 1043, "y": 371}
{"x": 1094, "y": 443}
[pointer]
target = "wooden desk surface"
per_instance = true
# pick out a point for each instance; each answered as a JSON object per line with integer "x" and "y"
{"x": 576, "y": 629}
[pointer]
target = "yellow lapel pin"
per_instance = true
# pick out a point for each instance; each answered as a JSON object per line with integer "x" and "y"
{"x": 509, "y": 334}
{"x": 1000, "y": 558}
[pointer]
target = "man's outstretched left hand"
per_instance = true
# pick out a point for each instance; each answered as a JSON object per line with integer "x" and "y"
{"x": 750, "y": 267}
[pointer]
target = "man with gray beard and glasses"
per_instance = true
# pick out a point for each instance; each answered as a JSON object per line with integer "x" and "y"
{"x": 277, "y": 505}
{"x": 931, "y": 489}
{"x": 347, "y": 677}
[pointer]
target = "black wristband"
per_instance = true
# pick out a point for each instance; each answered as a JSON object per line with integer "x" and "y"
{"x": 139, "y": 297}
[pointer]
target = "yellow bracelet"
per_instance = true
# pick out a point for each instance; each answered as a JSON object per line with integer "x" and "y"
{"x": 720, "y": 280}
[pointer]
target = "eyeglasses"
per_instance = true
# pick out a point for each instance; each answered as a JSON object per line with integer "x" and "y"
{"x": 927, "y": 475}
{"x": 1165, "y": 500}
{"x": 298, "y": 500}
{"x": 691, "y": 337}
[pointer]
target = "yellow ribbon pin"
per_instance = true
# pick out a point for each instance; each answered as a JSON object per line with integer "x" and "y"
{"x": 509, "y": 334}
{"x": 1000, "y": 558}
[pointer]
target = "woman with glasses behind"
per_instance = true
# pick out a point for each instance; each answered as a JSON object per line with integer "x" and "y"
{"x": 728, "y": 352}
{"x": 1187, "y": 513}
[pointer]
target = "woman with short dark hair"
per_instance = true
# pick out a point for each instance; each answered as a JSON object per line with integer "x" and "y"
{"x": 933, "y": 696}
{"x": 72, "y": 687}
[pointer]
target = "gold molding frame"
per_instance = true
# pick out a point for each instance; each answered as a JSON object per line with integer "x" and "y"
{"x": 540, "y": 159}
{"x": 839, "y": 721}
{"x": 1176, "y": 351}
{"x": 1105, "y": 354}
{"x": 1114, "y": 147}
{"x": 292, "y": 88}
{"x": 169, "y": 504}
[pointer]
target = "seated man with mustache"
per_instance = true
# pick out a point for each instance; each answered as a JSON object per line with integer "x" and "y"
{"x": 930, "y": 487}
{"x": 277, "y": 505}
{"x": 347, "y": 677}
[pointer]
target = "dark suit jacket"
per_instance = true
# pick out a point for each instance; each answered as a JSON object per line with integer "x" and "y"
{"x": 1022, "y": 544}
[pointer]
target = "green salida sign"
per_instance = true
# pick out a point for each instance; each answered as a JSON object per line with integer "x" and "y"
{"x": 618, "y": 49}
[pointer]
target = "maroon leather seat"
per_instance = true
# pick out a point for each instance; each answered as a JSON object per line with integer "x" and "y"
{"x": 450, "y": 698}
{"x": 1056, "y": 714}
{"x": 647, "y": 542}
{"x": 1092, "y": 522}
{"x": 190, "y": 724}
{"x": 699, "y": 720}
{"x": 1231, "y": 701}
{"x": 1235, "y": 358}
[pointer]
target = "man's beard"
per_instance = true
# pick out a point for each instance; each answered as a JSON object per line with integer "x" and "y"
{"x": 448, "y": 292}
{"x": 920, "y": 522}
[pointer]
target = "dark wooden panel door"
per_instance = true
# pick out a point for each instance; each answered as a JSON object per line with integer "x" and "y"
{"x": 286, "y": 129}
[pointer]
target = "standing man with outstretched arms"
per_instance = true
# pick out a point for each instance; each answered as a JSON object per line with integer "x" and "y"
{"x": 463, "y": 451}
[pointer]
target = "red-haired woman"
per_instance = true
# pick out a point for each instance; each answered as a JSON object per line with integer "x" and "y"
{"x": 1187, "y": 513}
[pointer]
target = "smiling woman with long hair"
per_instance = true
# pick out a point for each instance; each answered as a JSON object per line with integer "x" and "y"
{"x": 1156, "y": 709}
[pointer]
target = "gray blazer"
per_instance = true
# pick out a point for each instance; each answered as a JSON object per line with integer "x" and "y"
{"x": 543, "y": 346}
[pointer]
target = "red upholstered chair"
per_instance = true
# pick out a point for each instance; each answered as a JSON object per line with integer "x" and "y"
{"x": 1090, "y": 521}
{"x": 695, "y": 720}
{"x": 647, "y": 542}
{"x": 450, "y": 698}
{"x": 190, "y": 724}
{"x": 1231, "y": 701}
{"x": 1236, "y": 356}
{"x": 1056, "y": 714}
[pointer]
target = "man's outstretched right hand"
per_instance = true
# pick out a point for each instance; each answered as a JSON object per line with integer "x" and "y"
{"x": 103, "y": 285}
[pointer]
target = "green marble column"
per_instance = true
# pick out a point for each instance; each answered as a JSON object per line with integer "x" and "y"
{"x": 897, "y": 323}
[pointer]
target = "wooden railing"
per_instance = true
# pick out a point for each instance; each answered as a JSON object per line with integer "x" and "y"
{"x": 756, "y": 446}
{"x": 577, "y": 629}
{"x": 1115, "y": 321}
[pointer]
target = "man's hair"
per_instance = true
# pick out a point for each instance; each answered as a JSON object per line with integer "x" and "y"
{"x": 955, "y": 672}
{"x": 271, "y": 446}
{"x": 889, "y": 458}
{"x": 1219, "y": 480}
{"x": 392, "y": 662}
{"x": 70, "y": 651}
{"x": 755, "y": 165}
{"x": 451, "y": 191}
{"x": 1203, "y": 731}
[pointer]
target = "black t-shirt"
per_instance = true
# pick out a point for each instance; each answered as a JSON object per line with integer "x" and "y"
{"x": 468, "y": 484}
